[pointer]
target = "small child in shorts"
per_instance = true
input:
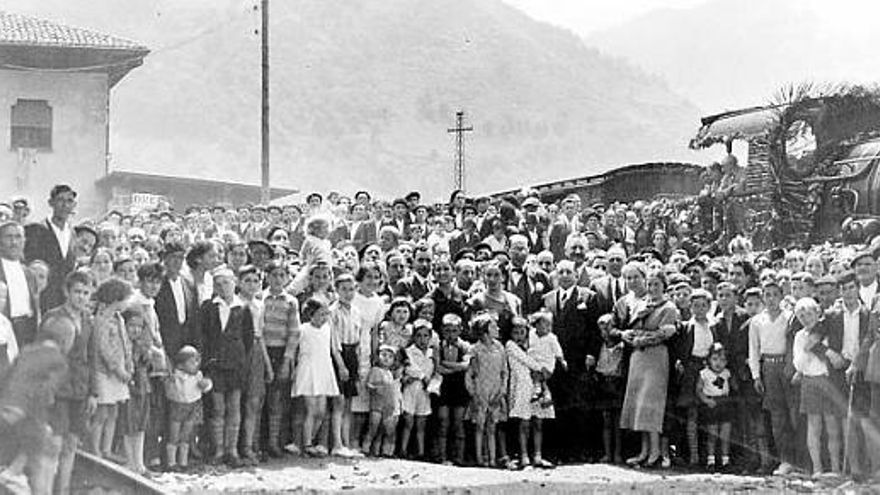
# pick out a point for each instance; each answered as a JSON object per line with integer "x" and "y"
{"x": 385, "y": 401}
{"x": 184, "y": 390}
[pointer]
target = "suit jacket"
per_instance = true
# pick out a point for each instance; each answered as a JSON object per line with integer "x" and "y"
{"x": 226, "y": 348}
{"x": 462, "y": 241}
{"x": 41, "y": 244}
{"x": 736, "y": 342}
{"x": 365, "y": 233}
{"x": 402, "y": 226}
{"x": 832, "y": 328}
{"x": 31, "y": 288}
{"x": 342, "y": 232}
{"x": 175, "y": 335}
{"x": 604, "y": 297}
{"x": 536, "y": 238}
{"x": 558, "y": 234}
{"x": 530, "y": 289}
{"x": 485, "y": 228}
{"x": 575, "y": 325}
{"x": 412, "y": 287}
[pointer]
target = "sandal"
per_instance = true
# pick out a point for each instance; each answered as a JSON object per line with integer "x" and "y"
{"x": 542, "y": 463}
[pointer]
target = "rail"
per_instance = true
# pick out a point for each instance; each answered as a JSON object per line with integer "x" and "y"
{"x": 93, "y": 475}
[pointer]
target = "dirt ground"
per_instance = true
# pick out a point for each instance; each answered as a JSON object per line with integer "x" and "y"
{"x": 392, "y": 476}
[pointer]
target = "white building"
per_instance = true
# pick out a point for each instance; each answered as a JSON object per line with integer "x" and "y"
{"x": 55, "y": 83}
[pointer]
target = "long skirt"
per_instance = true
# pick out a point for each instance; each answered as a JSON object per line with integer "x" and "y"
{"x": 645, "y": 400}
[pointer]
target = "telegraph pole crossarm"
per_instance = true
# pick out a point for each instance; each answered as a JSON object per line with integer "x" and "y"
{"x": 459, "y": 130}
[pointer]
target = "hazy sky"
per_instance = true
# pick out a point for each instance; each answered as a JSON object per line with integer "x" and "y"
{"x": 586, "y": 16}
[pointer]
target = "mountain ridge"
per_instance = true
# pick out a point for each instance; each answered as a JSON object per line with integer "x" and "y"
{"x": 362, "y": 94}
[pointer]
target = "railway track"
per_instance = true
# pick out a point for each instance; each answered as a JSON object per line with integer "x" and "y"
{"x": 95, "y": 476}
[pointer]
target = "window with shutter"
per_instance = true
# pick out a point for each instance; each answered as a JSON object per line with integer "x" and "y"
{"x": 31, "y": 125}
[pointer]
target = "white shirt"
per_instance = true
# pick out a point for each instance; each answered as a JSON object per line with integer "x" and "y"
{"x": 805, "y": 361}
{"x": 711, "y": 381}
{"x": 256, "y": 307}
{"x": 18, "y": 295}
{"x": 205, "y": 288}
{"x": 515, "y": 276}
{"x": 179, "y": 298}
{"x": 616, "y": 288}
{"x": 545, "y": 349}
{"x": 867, "y": 292}
{"x": 564, "y": 296}
{"x": 702, "y": 338}
{"x": 225, "y": 309}
{"x": 766, "y": 336}
{"x": 7, "y": 337}
{"x": 850, "y": 333}
{"x": 63, "y": 235}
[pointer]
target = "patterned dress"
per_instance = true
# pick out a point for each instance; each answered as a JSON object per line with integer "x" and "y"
{"x": 522, "y": 386}
{"x": 486, "y": 380}
{"x": 114, "y": 358}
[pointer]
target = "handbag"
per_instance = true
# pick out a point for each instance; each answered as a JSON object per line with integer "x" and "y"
{"x": 610, "y": 360}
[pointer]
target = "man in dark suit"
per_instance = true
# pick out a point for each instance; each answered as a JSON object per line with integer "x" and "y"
{"x": 528, "y": 284}
{"x": 535, "y": 232}
{"x": 850, "y": 330}
{"x": 467, "y": 238}
{"x": 729, "y": 322}
{"x": 367, "y": 232}
{"x": 177, "y": 303}
{"x": 401, "y": 219}
{"x": 53, "y": 241}
{"x": 575, "y": 312}
{"x": 564, "y": 225}
{"x": 417, "y": 284}
{"x": 19, "y": 284}
{"x": 611, "y": 287}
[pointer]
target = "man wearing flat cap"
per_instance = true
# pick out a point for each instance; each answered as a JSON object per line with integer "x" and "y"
{"x": 865, "y": 267}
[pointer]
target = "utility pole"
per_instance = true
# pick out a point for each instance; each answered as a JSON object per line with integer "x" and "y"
{"x": 459, "y": 130}
{"x": 264, "y": 127}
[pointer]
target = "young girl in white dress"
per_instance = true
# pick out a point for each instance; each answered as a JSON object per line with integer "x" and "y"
{"x": 371, "y": 308}
{"x": 315, "y": 376}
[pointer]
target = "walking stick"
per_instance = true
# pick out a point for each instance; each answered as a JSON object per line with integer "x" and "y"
{"x": 848, "y": 427}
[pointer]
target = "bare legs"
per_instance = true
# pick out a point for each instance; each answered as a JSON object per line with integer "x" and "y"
{"x": 103, "y": 429}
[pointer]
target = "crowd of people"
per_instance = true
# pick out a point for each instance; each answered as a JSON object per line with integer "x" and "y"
{"x": 498, "y": 332}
